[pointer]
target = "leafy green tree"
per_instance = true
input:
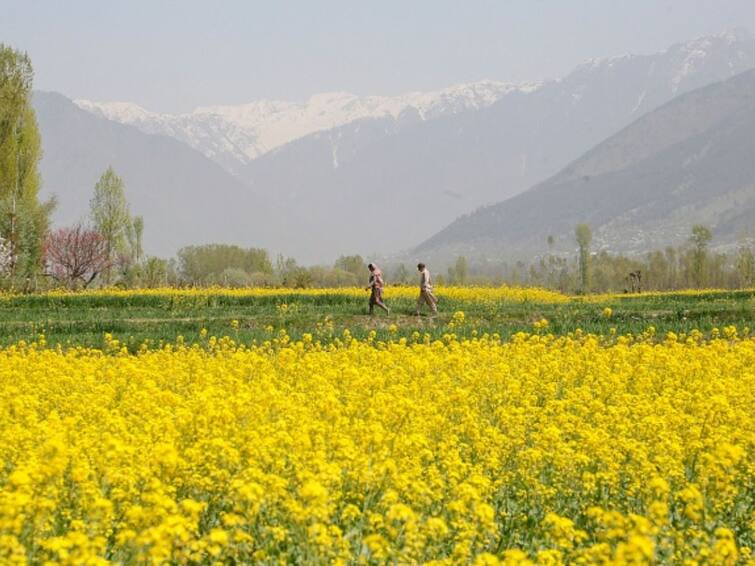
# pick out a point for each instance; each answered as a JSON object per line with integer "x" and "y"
{"x": 354, "y": 264}
{"x": 206, "y": 264}
{"x": 700, "y": 238}
{"x": 332, "y": 277}
{"x": 583, "y": 235}
{"x": 24, "y": 220}
{"x": 155, "y": 272}
{"x": 110, "y": 215}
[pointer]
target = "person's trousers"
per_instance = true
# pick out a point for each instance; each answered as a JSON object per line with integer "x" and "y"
{"x": 429, "y": 299}
{"x": 376, "y": 298}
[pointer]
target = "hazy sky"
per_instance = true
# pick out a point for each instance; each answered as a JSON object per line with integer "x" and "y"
{"x": 176, "y": 55}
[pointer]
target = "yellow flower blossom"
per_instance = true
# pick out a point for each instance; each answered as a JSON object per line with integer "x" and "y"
{"x": 576, "y": 449}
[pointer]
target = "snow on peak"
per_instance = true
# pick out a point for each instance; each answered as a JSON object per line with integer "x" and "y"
{"x": 692, "y": 56}
{"x": 233, "y": 135}
{"x": 692, "y": 60}
{"x": 239, "y": 133}
{"x": 735, "y": 35}
{"x": 127, "y": 112}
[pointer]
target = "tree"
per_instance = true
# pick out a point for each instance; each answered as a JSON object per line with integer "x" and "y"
{"x": 461, "y": 270}
{"x": 584, "y": 236}
{"x": 75, "y": 256}
{"x": 745, "y": 266}
{"x": 206, "y": 264}
{"x": 672, "y": 257}
{"x": 700, "y": 238}
{"x": 155, "y": 272}
{"x": 354, "y": 264}
{"x": 110, "y": 215}
{"x": 136, "y": 235}
{"x": 24, "y": 220}
{"x": 458, "y": 272}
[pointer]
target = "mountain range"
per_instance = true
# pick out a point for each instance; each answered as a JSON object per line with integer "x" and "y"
{"x": 347, "y": 174}
{"x": 235, "y": 135}
{"x": 183, "y": 196}
{"x": 691, "y": 161}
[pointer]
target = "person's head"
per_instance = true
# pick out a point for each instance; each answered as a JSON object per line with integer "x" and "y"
{"x": 371, "y": 267}
{"x": 420, "y": 266}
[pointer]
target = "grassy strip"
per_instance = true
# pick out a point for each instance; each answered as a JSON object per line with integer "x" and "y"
{"x": 84, "y": 319}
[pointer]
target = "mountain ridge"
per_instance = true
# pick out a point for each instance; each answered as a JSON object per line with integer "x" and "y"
{"x": 416, "y": 177}
{"x": 234, "y": 135}
{"x": 253, "y": 129}
{"x": 183, "y": 196}
{"x": 690, "y": 161}
{"x": 410, "y": 174}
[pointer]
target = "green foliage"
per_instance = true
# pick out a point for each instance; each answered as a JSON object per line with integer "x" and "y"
{"x": 459, "y": 272}
{"x": 353, "y": 264}
{"x": 746, "y": 266}
{"x": 136, "y": 239}
{"x": 155, "y": 272}
{"x": 700, "y": 238}
{"x": 584, "y": 236}
{"x": 234, "y": 278}
{"x": 205, "y": 265}
{"x": 81, "y": 319}
{"x": 110, "y": 215}
{"x": 24, "y": 220}
{"x": 327, "y": 277}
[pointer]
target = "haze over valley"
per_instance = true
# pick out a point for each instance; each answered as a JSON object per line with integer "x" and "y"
{"x": 302, "y": 177}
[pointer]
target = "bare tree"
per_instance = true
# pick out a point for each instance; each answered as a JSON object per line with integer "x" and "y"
{"x": 76, "y": 255}
{"x": 6, "y": 257}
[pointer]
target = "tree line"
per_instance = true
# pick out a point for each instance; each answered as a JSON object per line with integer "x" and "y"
{"x": 691, "y": 265}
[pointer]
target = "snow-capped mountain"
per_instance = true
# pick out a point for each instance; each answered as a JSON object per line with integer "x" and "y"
{"x": 416, "y": 162}
{"x": 234, "y": 135}
{"x": 423, "y": 173}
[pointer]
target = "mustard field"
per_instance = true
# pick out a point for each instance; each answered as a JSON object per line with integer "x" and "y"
{"x": 416, "y": 442}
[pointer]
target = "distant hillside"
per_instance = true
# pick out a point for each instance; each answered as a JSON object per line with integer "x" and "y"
{"x": 395, "y": 170}
{"x": 184, "y": 197}
{"x": 690, "y": 161}
{"x": 407, "y": 177}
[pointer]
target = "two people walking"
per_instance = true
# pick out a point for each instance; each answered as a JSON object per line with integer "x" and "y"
{"x": 376, "y": 284}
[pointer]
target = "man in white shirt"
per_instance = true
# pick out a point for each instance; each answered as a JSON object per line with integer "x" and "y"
{"x": 426, "y": 290}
